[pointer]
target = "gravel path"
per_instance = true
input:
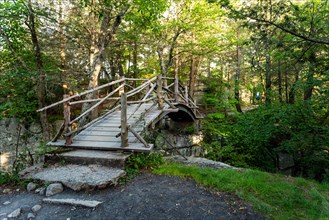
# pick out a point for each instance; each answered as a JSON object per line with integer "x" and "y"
{"x": 147, "y": 196}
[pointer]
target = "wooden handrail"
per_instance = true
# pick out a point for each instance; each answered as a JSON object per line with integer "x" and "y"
{"x": 97, "y": 104}
{"x": 140, "y": 88}
{"x": 81, "y": 94}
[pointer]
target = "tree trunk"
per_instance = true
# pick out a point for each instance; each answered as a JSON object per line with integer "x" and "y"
{"x": 165, "y": 64}
{"x": 135, "y": 64}
{"x": 279, "y": 81}
{"x": 268, "y": 79}
{"x": 310, "y": 77}
{"x": 237, "y": 77}
{"x": 176, "y": 70}
{"x": 100, "y": 40}
{"x": 62, "y": 40}
{"x": 286, "y": 86}
{"x": 41, "y": 85}
{"x": 195, "y": 62}
{"x": 293, "y": 89}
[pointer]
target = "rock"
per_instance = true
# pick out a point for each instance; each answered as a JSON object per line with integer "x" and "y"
{"x": 199, "y": 161}
{"x": 41, "y": 190}
{"x": 36, "y": 208}
{"x": 79, "y": 177}
{"x": 5, "y": 191}
{"x": 31, "y": 169}
{"x": 15, "y": 213}
{"x": 35, "y": 127}
{"x": 30, "y": 216}
{"x": 5, "y": 219}
{"x": 31, "y": 186}
{"x": 54, "y": 188}
{"x": 285, "y": 160}
{"x": 6, "y": 203}
{"x": 85, "y": 203}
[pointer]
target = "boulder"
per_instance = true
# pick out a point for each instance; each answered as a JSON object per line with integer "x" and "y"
{"x": 15, "y": 213}
{"x": 31, "y": 186}
{"x": 36, "y": 208}
{"x": 54, "y": 188}
{"x": 285, "y": 161}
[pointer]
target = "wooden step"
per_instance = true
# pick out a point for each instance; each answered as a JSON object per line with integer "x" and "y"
{"x": 101, "y": 145}
{"x": 87, "y": 157}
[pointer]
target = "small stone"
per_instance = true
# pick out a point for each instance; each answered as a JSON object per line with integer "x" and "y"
{"x": 5, "y": 219}
{"x": 6, "y": 203}
{"x": 30, "y": 216}
{"x": 5, "y": 191}
{"x": 36, "y": 208}
{"x": 74, "y": 202}
{"x": 31, "y": 186}
{"x": 54, "y": 188}
{"x": 42, "y": 191}
{"x": 15, "y": 213}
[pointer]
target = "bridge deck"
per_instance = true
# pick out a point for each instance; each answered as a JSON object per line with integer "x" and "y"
{"x": 102, "y": 134}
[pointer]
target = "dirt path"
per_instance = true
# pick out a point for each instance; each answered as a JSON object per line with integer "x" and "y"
{"x": 148, "y": 196}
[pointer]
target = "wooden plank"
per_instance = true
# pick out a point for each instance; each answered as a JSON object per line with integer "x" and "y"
{"x": 138, "y": 147}
{"x": 140, "y": 138}
{"x": 101, "y": 133}
{"x": 102, "y": 138}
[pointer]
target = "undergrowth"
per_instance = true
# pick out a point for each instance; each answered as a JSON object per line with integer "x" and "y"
{"x": 141, "y": 161}
{"x": 276, "y": 196}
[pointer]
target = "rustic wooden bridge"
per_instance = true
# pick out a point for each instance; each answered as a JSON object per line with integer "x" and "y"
{"x": 133, "y": 106}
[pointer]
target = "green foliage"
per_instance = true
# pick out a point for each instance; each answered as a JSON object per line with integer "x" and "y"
{"x": 9, "y": 178}
{"x": 254, "y": 138}
{"x": 276, "y": 196}
{"x": 190, "y": 129}
{"x": 139, "y": 161}
{"x": 17, "y": 89}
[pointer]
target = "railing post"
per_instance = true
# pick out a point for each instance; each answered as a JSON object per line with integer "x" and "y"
{"x": 176, "y": 88}
{"x": 67, "y": 116}
{"x": 186, "y": 94}
{"x": 124, "y": 125}
{"x": 159, "y": 92}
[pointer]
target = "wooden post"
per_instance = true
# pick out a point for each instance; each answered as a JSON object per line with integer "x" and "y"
{"x": 67, "y": 116}
{"x": 186, "y": 94}
{"x": 124, "y": 125}
{"x": 176, "y": 88}
{"x": 159, "y": 92}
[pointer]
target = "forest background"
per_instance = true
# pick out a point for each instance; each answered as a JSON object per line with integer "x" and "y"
{"x": 234, "y": 49}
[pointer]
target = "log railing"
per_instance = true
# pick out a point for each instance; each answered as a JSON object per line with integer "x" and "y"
{"x": 121, "y": 95}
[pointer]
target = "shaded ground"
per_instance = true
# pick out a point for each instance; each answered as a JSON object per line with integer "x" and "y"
{"x": 148, "y": 196}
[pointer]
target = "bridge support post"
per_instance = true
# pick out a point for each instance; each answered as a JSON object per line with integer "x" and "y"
{"x": 124, "y": 125}
{"x": 186, "y": 95}
{"x": 67, "y": 118}
{"x": 176, "y": 88}
{"x": 159, "y": 92}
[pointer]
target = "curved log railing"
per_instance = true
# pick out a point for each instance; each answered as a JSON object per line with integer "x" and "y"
{"x": 122, "y": 95}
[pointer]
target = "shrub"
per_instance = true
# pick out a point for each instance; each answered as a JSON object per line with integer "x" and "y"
{"x": 254, "y": 138}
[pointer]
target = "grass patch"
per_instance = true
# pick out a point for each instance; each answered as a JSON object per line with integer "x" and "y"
{"x": 276, "y": 196}
{"x": 140, "y": 161}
